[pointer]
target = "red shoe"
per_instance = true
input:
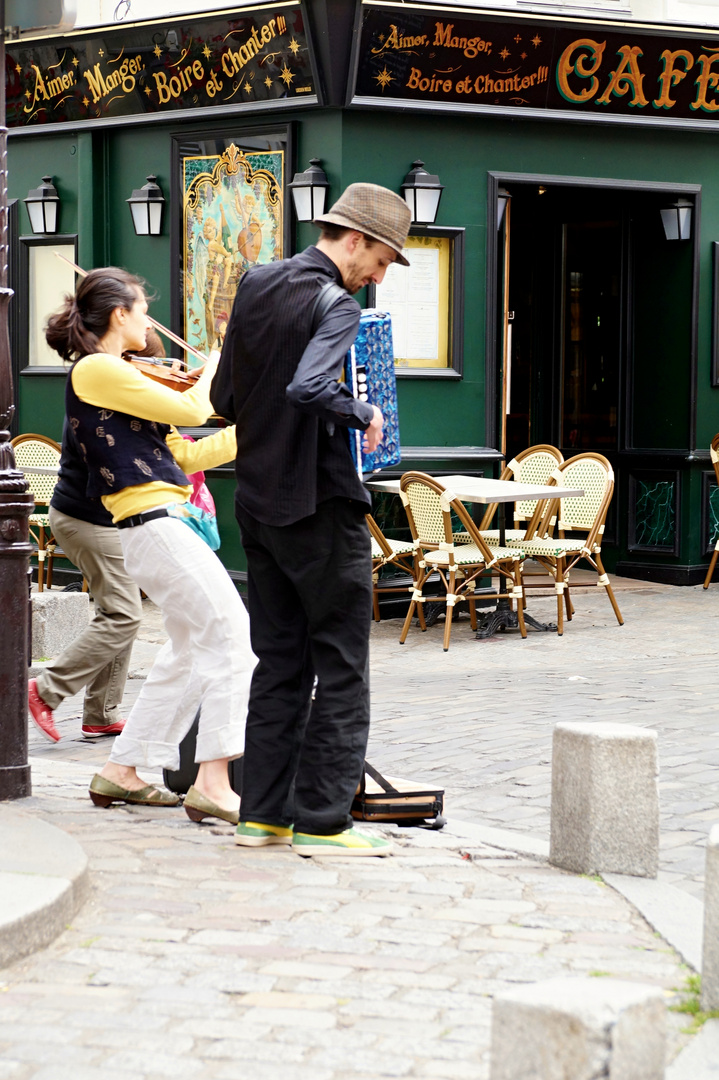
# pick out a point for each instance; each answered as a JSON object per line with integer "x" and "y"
{"x": 41, "y": 713}
{"x": 96, "y": 731}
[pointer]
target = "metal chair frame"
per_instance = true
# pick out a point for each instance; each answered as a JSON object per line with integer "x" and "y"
{"x": 586, "y": 513}
{"x": 386, "y": 552}
{"x": 429, "y": 506}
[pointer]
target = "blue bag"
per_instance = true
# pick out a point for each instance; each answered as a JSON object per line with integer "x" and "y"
{"x": 202, "y": 523}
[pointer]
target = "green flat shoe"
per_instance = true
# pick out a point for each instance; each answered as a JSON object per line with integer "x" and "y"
{"x": 198, "y": 806}
{"x": 103, "y": 792}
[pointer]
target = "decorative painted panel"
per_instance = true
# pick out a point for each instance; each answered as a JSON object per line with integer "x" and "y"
{"x": 654, "y": 513}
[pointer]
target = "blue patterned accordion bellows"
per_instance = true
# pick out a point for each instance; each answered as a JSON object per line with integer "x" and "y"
{"x": 370, "y": 375}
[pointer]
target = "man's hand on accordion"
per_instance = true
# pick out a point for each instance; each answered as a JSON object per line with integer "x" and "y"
{"x": 373, "y": 432}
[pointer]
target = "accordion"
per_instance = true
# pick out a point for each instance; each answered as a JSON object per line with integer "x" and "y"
{"x": 370, "y": 375}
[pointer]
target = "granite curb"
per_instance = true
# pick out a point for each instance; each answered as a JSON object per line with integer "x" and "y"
{"x": 44, "y": 880}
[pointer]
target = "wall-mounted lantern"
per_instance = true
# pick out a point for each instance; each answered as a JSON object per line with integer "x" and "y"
{"x": 422, "y": 192}
{"x": 146, "y": 204}
{"x": 309, "y": 191}
{"x": 503, "y": 197}
{"x": 42, "y": 206}
{"x": 677, "y": 220}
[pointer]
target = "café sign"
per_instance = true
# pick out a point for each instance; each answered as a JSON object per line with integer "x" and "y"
{"x": 259, "y": 57}
{"x": 445, "y": 58}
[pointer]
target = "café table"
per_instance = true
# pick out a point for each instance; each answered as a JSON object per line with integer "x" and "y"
{"x": 40, "y": 470}
{"x": 480, "y": 489}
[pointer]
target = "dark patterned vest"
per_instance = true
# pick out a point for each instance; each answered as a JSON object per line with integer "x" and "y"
{"x": 120, "y": 450}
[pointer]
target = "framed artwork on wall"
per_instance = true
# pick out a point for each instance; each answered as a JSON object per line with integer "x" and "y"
{"x": 230, "y": 192}
{"x": 45, "y": 281}
{"x": 425, "y": 301}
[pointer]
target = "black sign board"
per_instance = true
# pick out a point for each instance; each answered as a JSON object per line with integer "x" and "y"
{"x": 449, "y": 58}
{"x": 260, "y": 56}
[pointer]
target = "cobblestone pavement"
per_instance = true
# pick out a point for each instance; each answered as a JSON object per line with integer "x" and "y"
{"x": 479, "y": 718}
{"x": 252, "y": 965}
{"x": 256, "y": 965}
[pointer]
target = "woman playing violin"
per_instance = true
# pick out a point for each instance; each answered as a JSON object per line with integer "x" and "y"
{"x": 137, "y": 464}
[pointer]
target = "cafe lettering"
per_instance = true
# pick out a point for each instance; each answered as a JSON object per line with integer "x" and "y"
{"x": 583, "y": 60}
{"x": 494, "y": 61}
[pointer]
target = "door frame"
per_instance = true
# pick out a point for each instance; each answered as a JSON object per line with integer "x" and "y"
{"x": 493, "y": 330}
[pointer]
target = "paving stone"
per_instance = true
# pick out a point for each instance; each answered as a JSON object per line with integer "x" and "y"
{"x": 221, "y": 924}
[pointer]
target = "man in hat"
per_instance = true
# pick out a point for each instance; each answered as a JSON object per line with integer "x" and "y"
{"x": 300, "y": 506}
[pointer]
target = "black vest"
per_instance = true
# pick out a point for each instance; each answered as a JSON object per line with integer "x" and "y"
{"x": 287, "y": 461}
{"x": 70, "y": 493}
{"x": 120, "y": 450}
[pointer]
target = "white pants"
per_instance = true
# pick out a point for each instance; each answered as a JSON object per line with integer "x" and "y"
{"x": 208, "y": 660}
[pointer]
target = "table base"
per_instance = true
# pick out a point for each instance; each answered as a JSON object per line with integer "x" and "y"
{"x": 503, "y": 618}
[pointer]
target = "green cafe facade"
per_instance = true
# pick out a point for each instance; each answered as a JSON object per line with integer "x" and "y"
{"x": 565, "y": 293}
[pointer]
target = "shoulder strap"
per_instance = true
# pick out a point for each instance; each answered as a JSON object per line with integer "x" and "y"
{"x": 327, "y": 297}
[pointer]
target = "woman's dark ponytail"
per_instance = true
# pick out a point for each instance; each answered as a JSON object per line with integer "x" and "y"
{"x": 76, "y": 329}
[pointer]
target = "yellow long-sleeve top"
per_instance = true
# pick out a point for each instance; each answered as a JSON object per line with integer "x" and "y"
{"x": 109, "y": 382}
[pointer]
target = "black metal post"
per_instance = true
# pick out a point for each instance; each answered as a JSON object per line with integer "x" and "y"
{"x": 16, "y": 505}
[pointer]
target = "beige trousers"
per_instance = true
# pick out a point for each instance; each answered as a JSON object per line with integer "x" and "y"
{"x": 99, "y": 657}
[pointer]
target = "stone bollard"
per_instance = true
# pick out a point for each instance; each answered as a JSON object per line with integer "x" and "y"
{"x": 605, "y": 803}
{"x": 710, "y": 950}
{"x": 57, "y": 618}
{"x": 579, "y": 1029}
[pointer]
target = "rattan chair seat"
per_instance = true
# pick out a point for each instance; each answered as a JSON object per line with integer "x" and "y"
{"x": 468, "y": 554}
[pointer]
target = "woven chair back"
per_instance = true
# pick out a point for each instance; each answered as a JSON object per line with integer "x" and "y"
{"x": 427, "y": 521}
{"x": 534, "y": 465}
{"x": 594, "y": 474}
{"x": 37, "y": 451}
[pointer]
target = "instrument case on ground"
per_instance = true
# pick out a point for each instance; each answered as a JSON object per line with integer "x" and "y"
{"x": 396, "y": 801}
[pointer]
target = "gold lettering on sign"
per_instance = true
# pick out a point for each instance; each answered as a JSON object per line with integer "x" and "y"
{"x": 706, "y": 80}
{"x": 622, "y": 79}
{"x": 471, "y": 47}
{"x": 46, "y": 89}
{"x": 123, "y": 77}
{"x": 670, "y": 76}
{"x": 233, "y": 60}
{"x": 397, "y": 40}
{"x": 178, "y": 84}
{"x": 585, "y": 66}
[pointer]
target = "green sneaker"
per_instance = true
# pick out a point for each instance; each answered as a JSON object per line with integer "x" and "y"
{"x": 254, "y": 834}
{"x": 350, "y": 842}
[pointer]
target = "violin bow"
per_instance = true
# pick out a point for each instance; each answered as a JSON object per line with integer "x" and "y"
{"x": 158, "y": 326}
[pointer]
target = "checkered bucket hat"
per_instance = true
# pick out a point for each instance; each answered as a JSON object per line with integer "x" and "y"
{"x": 375, "y": 211}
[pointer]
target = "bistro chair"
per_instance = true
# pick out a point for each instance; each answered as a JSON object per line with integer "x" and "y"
{"x": 386, "y": 552}
{"x": 534, "y": 465}
{"x": 714, "y": 451}
{"x": 430, "y": 511}
{"x": 586, "y": 514}
{"x": 37, "y": 451}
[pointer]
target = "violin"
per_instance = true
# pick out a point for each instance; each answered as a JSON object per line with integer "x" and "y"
{"x": 165, "y": 370}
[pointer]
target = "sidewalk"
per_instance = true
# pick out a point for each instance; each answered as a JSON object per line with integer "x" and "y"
{"x": 241, "y": 964}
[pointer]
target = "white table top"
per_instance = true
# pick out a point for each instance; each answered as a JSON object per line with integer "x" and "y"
{"x": 480, "y": 489}
{"x": 43, "y": 470}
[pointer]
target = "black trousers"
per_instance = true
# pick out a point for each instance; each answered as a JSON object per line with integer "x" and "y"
{"x": 310, "y": 601}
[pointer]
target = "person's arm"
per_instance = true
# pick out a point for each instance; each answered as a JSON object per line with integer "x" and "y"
{"x": 207, "y": 453}
{"x": 111, "y": 383}
{"x": 315, "y": 387}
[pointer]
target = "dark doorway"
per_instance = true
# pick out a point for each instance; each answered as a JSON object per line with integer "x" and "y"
{"x": 596, "y": 350}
